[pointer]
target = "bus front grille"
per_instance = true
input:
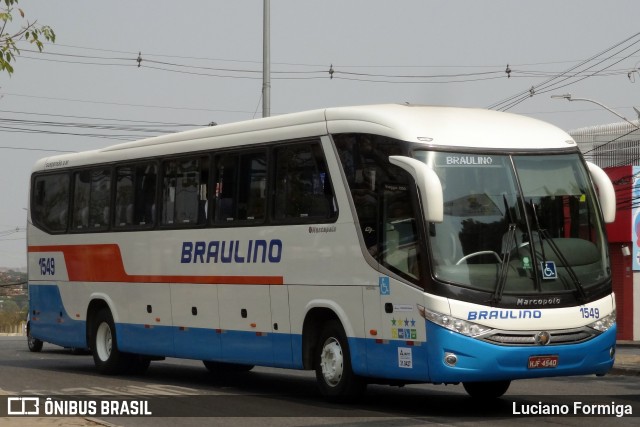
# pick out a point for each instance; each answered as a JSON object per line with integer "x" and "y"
{"x": 528, "y": 338}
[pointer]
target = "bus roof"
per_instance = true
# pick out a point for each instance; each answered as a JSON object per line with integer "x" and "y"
{"x": 431, "y": 125}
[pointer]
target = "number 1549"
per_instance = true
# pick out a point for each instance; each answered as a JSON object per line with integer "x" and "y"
{"x": 47, "y": 266}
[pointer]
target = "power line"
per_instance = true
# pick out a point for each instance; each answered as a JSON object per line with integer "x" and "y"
{"x": 140, "y": 62}
{"x": 37, "y": 149}
{"x": 141, "y": 122}
{"x": 202, "y": 58}
{"x": 522, "y": 96}
{"x": 131, "y": 59}
{"x": 143, "y": 128}
{"x": 372, "y": 80}
{"x": 139, "y": 128}
{"x": 318, "y": 74}
{"x": 11, "y": 231}
{"x": 48, "y": 132}
{"x": 253, "y": 74}
{"x": 122, "y": 104}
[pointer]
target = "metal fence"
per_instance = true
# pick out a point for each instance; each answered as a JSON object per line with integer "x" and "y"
{"x": 18, "y": 329}
{"x": 615, "y": 144}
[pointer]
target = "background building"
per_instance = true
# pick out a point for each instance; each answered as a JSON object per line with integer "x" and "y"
{"x": 616, "y": 148}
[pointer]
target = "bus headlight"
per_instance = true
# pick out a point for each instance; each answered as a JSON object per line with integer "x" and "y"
{"x": 452, "y": 323}
{"x": 605, "y": 323}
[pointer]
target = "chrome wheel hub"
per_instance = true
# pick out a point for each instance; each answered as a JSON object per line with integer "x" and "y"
{"x": 332, "y": 362}
{"x": 104, "y": 341}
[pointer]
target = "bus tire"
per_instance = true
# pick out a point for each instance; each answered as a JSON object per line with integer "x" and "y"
{"x": 486, "y": 389}
{"x": 104, "y": 347}
{"x": 332, "y": 361}
{"x": 34, "y": 344}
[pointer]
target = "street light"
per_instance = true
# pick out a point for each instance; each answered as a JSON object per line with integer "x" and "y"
{"x": 568, "y": 97}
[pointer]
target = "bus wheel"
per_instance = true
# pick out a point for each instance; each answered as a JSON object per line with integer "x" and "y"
{"x": 333, "y": 365}
{"x": 106, "y": 356}
{"x": 223, "y": 367}
{"x": 486, "y": 389}
{"x": 35, "y": 345}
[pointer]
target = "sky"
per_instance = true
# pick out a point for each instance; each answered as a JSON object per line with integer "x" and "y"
{"x": 201, "y": 62}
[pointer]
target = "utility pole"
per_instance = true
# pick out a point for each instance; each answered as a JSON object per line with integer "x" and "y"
{"x": 266, "y": 60}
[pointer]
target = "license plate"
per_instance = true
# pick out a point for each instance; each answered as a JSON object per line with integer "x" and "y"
{"x": 540, "y": 362}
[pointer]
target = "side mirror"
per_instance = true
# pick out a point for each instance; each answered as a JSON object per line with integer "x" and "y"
{"x": 606, "y": 192}
{"x": 428, "y": 183}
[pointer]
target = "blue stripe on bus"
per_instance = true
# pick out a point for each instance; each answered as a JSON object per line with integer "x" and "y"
{"x": 482, "y": 361}
{"x": 50, "y": 322}
{"x": 392, "y": 359}
{"x": 479, "y": 360}
{"x": 248, "y": 347}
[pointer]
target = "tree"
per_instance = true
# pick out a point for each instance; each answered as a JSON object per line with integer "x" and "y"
{"x": 27, "y": 31}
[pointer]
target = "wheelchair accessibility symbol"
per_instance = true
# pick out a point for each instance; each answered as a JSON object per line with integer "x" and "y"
{"x": 549, "y": 271}
{"x": 385, "y": 289}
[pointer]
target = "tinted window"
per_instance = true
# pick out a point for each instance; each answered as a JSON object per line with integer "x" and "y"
{"x": 135, "y": 195}
{"x": 91, "y": 195}
{"x": 303, "y": 188}
{"x": 50, "y": 201}
{"x": 240, "y": 187}
{"x": 185, "y": 191}
{"x": 382, "y": 197}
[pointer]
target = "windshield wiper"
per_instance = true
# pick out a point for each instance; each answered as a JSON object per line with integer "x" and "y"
{"x": 508, "y": 243}
{"x": 544, "y": 236}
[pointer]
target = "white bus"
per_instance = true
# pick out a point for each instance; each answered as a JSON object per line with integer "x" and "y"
{"x": 377, "y": 244}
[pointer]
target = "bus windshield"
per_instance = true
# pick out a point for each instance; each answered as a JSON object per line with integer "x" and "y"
{"x": 517, "y": 224}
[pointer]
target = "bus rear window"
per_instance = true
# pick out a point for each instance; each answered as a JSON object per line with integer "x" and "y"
{"x": 50, "y": 202}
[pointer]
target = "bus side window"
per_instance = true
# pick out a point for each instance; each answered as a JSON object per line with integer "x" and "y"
{"x": 123, "y": 215}
{"x": 240, "y": 187}
{"x": 146, "y": 178}
{"x": 91, "y": 199}
{"x": 399, "y": 234}
{"x": 50, "y": 202}
{"x": 225, "y": 188}
{"x": 302, "y": 184}
{"x": 99, "y": 209}
{"x": 185, "y": 191}
{"x": 381, "y": 194}
{"x": 135, "y": 198}
{"x": 252, "y": 193}
{"x": 81, "y": 197}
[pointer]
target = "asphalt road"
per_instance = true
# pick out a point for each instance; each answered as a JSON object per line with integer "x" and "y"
{"x": 181, "y": 392}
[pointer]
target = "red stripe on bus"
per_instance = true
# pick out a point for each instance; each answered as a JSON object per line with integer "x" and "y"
{"x": 103, "y": 263}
